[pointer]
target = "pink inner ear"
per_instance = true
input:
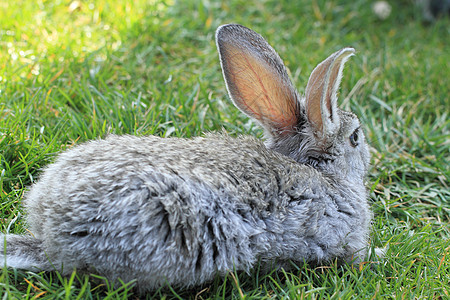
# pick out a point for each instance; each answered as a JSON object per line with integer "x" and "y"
{"x": 259, "y": 90}
{"x": 333, "y": 85}
{"x": 314, "y": 91}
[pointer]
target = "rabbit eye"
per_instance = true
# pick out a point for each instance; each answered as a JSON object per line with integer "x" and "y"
{"x": 354, "y": 137}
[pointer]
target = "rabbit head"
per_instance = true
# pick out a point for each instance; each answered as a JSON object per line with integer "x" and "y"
{"x": 311, "y": 129}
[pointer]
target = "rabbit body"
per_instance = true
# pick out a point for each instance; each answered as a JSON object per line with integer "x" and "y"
{"x": 155, "y": 210}
{"x": 181, "y": 211}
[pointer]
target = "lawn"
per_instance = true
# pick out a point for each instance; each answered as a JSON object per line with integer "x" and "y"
{"x": 71, "y": 71}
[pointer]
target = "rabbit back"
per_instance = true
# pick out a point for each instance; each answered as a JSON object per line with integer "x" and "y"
{"x": 169, "y": 209}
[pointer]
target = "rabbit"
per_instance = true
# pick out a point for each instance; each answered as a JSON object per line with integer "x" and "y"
{"x": 181, "y": 211}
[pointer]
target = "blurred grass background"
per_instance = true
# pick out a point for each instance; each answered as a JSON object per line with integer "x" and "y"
{"x": 71, "y": 71}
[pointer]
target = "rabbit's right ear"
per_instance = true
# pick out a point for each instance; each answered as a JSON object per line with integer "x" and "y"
{"x": 321, "y": 93}
{"x": 256, "y": 79}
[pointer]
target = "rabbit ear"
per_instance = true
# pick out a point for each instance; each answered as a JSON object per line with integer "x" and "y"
{"x": 256, "y": 78}
{"x": 321, "y": 92}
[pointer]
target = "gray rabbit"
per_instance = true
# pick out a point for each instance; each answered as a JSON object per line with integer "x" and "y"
{"x": 181, "y": 211}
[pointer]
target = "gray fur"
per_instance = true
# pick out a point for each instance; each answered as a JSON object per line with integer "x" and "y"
{"x": 181, "y": 211}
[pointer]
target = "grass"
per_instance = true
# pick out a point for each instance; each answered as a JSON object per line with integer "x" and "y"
{"x": 72, "y": 71}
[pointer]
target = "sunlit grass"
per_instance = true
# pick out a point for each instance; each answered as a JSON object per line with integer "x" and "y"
{"x": 72, "y": 71}
{"x": 41, "y": 39}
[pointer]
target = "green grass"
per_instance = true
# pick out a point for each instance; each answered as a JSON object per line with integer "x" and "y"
{"x": 74, "y": 71}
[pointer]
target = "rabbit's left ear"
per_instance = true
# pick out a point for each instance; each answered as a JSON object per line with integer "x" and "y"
{"x": 321, "y": 93}
{"x": 256, "y": 79}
